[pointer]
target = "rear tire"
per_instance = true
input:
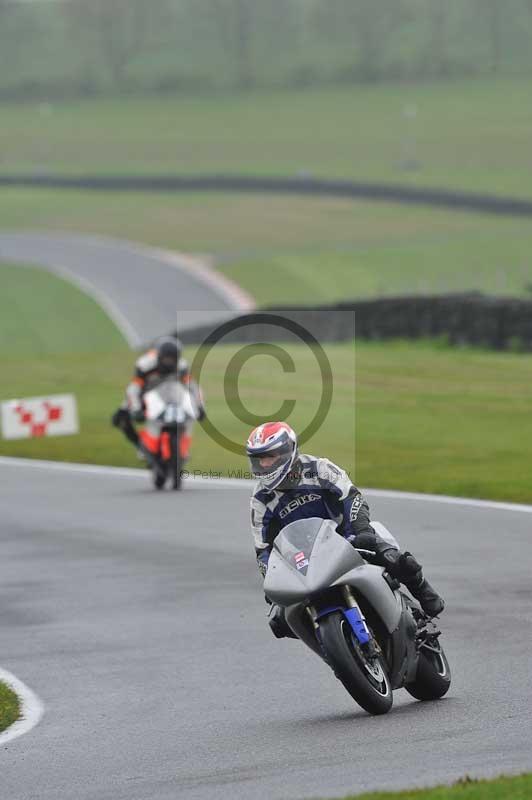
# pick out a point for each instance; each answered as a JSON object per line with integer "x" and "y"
{"x": 366, "y": 680}
{"x": 433, "y": 678}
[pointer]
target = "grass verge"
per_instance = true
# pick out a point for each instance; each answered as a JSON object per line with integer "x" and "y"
{"x": 427, "y": 419}
{"x": 301, "y": 250}
{"x": 504, "y": 788}
{"x": 42, "y": 314}
{"x": 396, "y": 132}
{"x": 9, "y": 706}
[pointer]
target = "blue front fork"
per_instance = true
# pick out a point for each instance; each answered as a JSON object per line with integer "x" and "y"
{"x": 355, "y": 619}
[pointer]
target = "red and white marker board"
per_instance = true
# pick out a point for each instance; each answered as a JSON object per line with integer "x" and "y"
{"x": 32, "y": 417}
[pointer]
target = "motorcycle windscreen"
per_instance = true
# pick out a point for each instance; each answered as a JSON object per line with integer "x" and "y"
{"x": 169, "y": 393}
{"x": 173, "y": 391}
{"x": 296, "y": 541}
{"x": 308, "y": 556}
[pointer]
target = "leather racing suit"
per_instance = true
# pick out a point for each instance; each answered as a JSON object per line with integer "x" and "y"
{"x": 322, "y": 489}
{"x": 146, "y": 377}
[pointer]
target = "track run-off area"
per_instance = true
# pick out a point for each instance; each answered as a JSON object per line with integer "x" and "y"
{"x": 138, "y": 619}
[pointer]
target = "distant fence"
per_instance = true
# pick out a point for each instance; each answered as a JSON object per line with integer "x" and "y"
{"x": 494, "y": 322}
{"x": 386, "y": 193}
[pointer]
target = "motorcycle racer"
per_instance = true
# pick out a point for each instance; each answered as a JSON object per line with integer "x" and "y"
{"x": 153, "y": 366}
{"x": 292, "y": 486}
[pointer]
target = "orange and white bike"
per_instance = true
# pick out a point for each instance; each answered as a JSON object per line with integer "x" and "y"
{"x": 169, "y": 414}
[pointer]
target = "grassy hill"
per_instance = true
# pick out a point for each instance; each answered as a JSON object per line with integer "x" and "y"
{"x": 427, "y": 419}
{"x": 41, "y": 315}
{"x": 472, "y": 135}
{"x": 301, "y": 250}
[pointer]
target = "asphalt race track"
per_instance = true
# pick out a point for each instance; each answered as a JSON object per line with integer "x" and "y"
{"x": 138, "y": 619}
{"x": 141, "y": 288}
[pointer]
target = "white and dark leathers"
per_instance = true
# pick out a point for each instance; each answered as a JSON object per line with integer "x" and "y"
{"x": 319, "y": 488}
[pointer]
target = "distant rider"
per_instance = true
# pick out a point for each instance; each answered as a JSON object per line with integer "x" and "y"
{"x": 158, "y": 363}
{"x": 292, "y": 486}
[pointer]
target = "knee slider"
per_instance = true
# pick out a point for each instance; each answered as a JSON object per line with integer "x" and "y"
{"x": 391, "y": 560}
{"x": 410, "y": 566}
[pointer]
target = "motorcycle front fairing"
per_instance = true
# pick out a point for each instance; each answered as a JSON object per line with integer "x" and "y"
{"x": 305, "y": 559}
{"x": 167, "y": 396}
{"x": 309, "y": 557}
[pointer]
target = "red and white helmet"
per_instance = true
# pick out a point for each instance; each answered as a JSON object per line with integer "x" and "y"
{"x": 272, "y": 451}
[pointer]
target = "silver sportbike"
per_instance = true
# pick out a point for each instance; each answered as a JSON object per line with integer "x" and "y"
{"x": 354, "y": 616}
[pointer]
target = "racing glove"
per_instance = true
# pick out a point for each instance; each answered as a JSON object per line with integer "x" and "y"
{"x": 262, "y": 561}
{"x": 119, "y": 417}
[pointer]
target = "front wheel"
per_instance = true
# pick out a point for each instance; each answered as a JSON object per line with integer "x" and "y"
{"x": 433, "y": 677}
{"x": 363, "y": 676}
{"x": 158, "y": 475}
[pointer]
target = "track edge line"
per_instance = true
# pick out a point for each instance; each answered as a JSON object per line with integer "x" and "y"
{"x": 31, "y": 712}
{"x": 237, "y": 483}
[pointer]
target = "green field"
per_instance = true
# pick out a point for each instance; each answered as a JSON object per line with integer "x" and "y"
{"x": 427, "y": 419}
{"x": 472, "y": 135}
{"x": 300, "y": 249}
{"x": 9, "y": 706}
{"x": 518, "y": 788}
{"x": 41, "y": 314}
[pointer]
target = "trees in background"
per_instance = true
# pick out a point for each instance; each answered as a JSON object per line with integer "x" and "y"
{"x": 494, "y": 20}
{"x": 107, "y": 34}
{"x": 78, "y": 46}
{"x": 437, "y": 40}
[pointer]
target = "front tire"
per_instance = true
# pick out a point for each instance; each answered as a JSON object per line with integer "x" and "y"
{"x": 365, "y": 679}
{"x": 433, "y": 677}
{"x": 159, "y": 476}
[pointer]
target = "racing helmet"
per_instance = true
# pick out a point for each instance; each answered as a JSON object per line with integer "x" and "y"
{"x": 272, "y": 451}
{"x": 168, "y": 354}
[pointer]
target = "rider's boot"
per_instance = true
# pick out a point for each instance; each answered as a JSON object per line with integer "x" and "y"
{"x": 406, "y": 568}
{"x": 428, "y": 598}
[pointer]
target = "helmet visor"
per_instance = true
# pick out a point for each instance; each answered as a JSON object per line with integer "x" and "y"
{"x": 264, "y": 464}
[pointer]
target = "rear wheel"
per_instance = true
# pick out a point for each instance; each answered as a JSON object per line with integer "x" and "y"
{"x": 363, "y": 676}
{"x": 176, "y": 460}
{"x": 433, "y": 677}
